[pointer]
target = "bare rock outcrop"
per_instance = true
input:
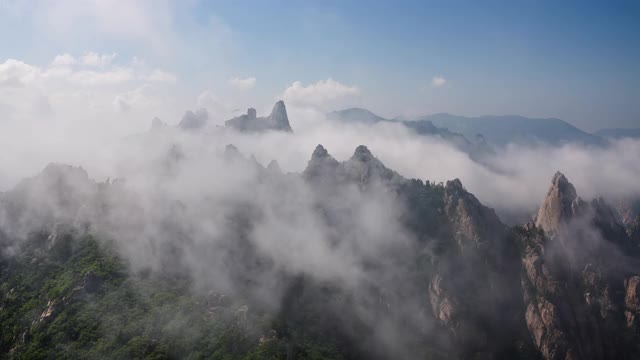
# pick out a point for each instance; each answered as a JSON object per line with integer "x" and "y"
{"x": 194, "y": 120}
{"x": 579, "y": 289}
{"x": 363, "y": 168}
{"x": 560, "y": 204}
{"x": 249, "y": 122}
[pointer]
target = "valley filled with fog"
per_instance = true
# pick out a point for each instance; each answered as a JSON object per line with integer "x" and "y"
{"x": 267, "y": 221}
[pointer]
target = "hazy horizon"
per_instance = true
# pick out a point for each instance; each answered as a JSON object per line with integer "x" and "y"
{"x": 133, "y": 61}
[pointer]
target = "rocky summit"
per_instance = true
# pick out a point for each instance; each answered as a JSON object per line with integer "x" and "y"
{"x": 194, "y": 120}
{"x": 559, "y": 205}
{"x": 249, "y": 122}
{"x": 579, "y": 279}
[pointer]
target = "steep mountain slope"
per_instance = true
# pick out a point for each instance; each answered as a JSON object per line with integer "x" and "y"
{"x": 578, "y": 265}
{"x": 346, "y": 260}
{"x": 471, "y": 265}
{"x": 628, "y": 209}
{"x": 356, "y": 115}
{"x": 467, "y": 132}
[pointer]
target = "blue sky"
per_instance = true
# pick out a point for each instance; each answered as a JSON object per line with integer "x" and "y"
{"x": 579, "y": 61}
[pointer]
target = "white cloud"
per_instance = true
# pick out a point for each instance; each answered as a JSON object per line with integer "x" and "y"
{"x": 438, "y": 81}
{"x": 96, "y": 78}
{"x": 243, "y": 83}
{"x": 219, "y": 108}
{"x": 91, "y": 82}
{"x": 324, "y": 94}
{"x": 63, "y": 59}
{"x": 15, "y": 73}
{"x": 68, "y": 69}
{"x": 208, "y": 99}
{"x": 162, "y": 76}
{"x": 94, "y": 59}
{"x": 138, "y": 97}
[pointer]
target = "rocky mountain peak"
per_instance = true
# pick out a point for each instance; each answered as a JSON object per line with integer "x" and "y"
{"x": 279, "y": 117}
{"x": 321, "y": 163}
{"x": 363, "y": 154}
{"x": 364, "y": 167}
{"x": 454, "y": 185}
{"x": 560, "y": 181}
{"x": 559, "y": 205}
{"x": 473, "y": 223}
{"x": 249, "y": 122}
{"x": 194, "y": 120}
{"x": 320, "y": 153}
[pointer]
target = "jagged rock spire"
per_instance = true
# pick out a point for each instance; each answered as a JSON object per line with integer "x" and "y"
{"x": 454, "y": 185}
{"x": 473, "y": 223}
{"x": 362, "y": 153}
{"x": 277, "y": 120}
{"x": 192, "y": 121}
{"x": 559, "y": 204}
{"x": 279, "y": 117}
{"x": 320, "y": 153}
{"x": 321, "y": 164}
{"x": 364, "y": 167}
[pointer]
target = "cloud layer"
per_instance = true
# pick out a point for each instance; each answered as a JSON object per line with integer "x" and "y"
{"x": 243, "y": 83}
{"x": 324, "y": 94}
{"x": 438, "y": 81}
{"x": 83, "y": 103}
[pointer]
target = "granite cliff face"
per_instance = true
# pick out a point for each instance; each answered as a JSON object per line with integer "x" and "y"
{"x": 559, "y": 206}
{"x": 579, "y": 279}
{"x": 473, "y": 271}
{"x": 277, "y": 120}
{"x": 471, "y": 290}
{"x": 628, "y": 209}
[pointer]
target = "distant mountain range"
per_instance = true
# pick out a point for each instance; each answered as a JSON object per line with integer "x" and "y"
{"x": 619, "y": 133}
{"x": 496, "y": 130}
{"x": 502, "y": 130}
{"x": 475, "y": 146}
{"x": 474, "y": 135}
